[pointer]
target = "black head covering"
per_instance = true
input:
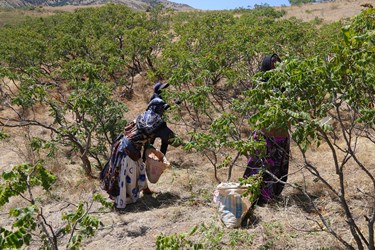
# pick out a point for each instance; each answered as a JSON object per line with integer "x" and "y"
{"x": 159, "y": 86}
{"x": 157, "y": 105}
{"x": 157, "y": 90}
{"x": 267, "y": 62}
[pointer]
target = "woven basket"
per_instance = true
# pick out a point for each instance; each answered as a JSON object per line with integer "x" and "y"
{"x": 156, "y": 163}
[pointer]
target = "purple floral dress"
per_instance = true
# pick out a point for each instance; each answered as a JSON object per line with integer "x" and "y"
{"x": 275, "y": 161}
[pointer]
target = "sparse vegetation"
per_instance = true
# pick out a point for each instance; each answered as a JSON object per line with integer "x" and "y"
{"x": 69, "y": 75}
{"x": 30, "y": 222}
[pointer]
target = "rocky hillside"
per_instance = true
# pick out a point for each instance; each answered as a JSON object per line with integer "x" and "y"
{"x": 135, "y": 4}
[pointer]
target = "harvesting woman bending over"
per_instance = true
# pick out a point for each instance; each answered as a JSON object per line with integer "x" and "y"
{"x": 124, "y": 176}
{"x": 276, "y": 159}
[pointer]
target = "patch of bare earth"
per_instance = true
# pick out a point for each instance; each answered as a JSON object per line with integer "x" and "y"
{"x": 183, "y": 197}
{"x": 329, "y": 11}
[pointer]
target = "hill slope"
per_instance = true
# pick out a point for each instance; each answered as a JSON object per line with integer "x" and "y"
{"x": 328, "y": 11}
{"x": 183, "y": 197}
{"x": 136, "y": 4}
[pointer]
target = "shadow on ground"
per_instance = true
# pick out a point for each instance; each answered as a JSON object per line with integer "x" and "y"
{"x": 156, "y": 200}
{"x": 302, "y": 201}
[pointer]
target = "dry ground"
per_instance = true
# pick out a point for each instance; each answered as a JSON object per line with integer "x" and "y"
{"x": 329, "y": 12}
{"x": 183, "y": 197}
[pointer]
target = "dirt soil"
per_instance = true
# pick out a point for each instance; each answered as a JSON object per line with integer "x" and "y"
{"x": 328, "y": 12}
{"x": 183, "y": 195}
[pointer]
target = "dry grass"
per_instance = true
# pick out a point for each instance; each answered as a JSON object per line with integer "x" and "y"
{"x": 184, "y": 193}
{"x": 183, "y": 197}
{"x": 9, "y": 16}
{"x": 15, "y": 16}
{"x": 328, "y": 12}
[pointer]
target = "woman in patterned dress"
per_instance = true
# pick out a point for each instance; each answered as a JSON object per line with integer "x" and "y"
{"x": 274, "y": 164}
{"x": 124, "y": 176}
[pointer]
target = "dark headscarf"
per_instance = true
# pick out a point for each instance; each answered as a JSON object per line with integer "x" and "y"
{"x": 159, "y": 86}
{"x": 157, "y": 90}
{"x": 267, "y": 62}
{"x": 157, "y": 105}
